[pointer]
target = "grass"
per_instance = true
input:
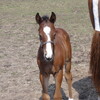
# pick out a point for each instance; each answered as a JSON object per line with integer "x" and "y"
{"x": 72, "y": 16}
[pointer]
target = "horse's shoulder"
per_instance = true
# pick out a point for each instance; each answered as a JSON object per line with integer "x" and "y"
{"x": 62, "y": 33}
{"x": 60, "y": 30}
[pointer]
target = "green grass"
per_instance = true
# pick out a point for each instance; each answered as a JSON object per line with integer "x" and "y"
{"x": 65, "y": 9}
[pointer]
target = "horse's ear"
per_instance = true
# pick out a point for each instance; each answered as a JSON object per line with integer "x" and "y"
{"x": 38, "y": 18}
{"x": 53, "y": 17}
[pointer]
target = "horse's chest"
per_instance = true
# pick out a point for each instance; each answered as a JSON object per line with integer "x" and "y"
{"x": 46, "y": 68}
{"x": 49, "y": 69}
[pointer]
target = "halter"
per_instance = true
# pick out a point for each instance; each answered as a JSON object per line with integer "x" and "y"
{"x": 44, "y": 43}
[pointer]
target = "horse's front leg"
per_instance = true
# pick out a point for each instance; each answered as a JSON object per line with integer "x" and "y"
{"x": 58, "y": 79}
{"x": 44, "y": 82}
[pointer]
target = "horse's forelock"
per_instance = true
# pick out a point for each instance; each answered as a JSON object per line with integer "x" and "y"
{"x": 45, "y": 18}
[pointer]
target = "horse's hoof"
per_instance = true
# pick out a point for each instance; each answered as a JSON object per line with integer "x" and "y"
{"x": 45, "y": 97}
{"x": 70, "y": 99}
{"x": 58, "y": 96}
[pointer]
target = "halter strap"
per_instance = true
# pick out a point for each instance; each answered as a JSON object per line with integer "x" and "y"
{"x": 44, "y": 43}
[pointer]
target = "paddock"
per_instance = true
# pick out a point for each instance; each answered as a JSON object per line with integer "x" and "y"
{"x": 19, "y": 74}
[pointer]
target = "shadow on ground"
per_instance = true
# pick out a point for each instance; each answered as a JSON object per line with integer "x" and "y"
{"x": 85, "y": 89}
{"x": 51, "y": 90}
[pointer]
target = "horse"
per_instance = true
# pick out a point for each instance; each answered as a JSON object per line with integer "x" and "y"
{"x": 54, "y": 52}
{"x": 94, "y": 11}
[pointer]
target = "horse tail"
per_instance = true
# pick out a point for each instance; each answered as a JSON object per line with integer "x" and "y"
{"x": 94, "y": 10}
{"x": 95, "y": 60}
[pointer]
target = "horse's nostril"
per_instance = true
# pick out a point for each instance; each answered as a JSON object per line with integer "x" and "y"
{"x": 49, "y": 59}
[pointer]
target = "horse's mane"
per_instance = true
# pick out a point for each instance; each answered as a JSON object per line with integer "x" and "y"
{"x": 45, "y": 18}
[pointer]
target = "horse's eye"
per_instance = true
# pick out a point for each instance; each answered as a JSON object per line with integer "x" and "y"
{"x": 40, "y": 37}
{"x": 54, "y": 35}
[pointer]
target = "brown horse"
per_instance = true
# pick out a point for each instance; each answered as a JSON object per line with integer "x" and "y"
{"x": 94, "y": 10}
{"x": 54, "y": 52}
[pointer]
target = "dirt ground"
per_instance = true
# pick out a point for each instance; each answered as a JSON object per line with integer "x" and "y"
{"x": 19, "y": 74}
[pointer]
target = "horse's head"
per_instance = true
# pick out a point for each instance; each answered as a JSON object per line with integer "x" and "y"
{"x": 47, "y": 34}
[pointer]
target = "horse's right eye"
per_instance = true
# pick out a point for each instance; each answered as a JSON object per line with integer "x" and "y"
{"x": 40, "y": 37}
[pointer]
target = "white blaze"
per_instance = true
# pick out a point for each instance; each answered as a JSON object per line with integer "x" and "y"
{"x": 96, "y": 15}
{"x": 49, "y": 52}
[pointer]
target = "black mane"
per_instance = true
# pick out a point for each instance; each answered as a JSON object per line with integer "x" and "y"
{"x": 45, "y": 18}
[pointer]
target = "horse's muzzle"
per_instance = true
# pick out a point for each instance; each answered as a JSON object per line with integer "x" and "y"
{"x": 49, "y": 59}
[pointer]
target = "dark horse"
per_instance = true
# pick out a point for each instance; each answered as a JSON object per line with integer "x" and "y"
{"x": 53, "y": 53}
{"x": 94, "y": 10}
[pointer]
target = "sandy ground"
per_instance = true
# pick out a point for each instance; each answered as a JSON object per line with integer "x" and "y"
{"x": 19, "y": 74}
